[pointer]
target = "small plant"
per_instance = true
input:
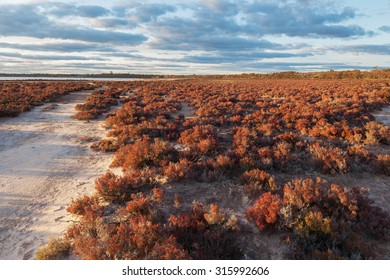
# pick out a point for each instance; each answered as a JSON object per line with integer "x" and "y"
{"x": 117, "y": 188}
{"x": 105, "y": 145}
{"x": 265, "y": 211}
{"x": 177, "y": 202}
{"x": 55, "y": 249}
{"x": 178, "y": 171}
{"x": 330, "y": 160}
{"x": 256, "y": 181}
{"x": 79, "y": 205}
{"x": 206, "y": 234}
{"x": 377, "y": 133}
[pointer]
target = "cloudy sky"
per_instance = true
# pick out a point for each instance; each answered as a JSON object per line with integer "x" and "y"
{"x": 193, "y": 37}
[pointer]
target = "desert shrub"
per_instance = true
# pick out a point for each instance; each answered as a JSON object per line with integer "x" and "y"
{"x": 381, "y": 164}
{"x": 87, "y": 115}
{"x": 360, "y": 154}
{"x": 247, "y": 163}
{"x": 55, "y": 249}
{"x": 96, "y": 104}
{"x": 265, "y": 211}
{"x": 112, "y": 187}
{"x": 206, "y": 234}
{"x": 329, "y": 159}
{"x": 266, "y": 157}
{"x": 177, "y": 201}
{"x": 225, "y": 164}
{"x": 136, "y": 156}
{"x": 256, "y": 181}
{"x": 79, "y": 205}
{"x": 163, "y": 152}
{"x": 376, "y": 133}
{"x": 175, "y": 172}
{"x": 168, "y": 249}
{"x": 105, "y": 145}
{"x": 283, "y": 155}
{"x": 200, "y": 139}
{"x": 119, "y": 188}
{"x": 144, "y": 205}
{"x": 145, "y": 153}
{"x": 86, "y": 139}
{"x": 331, "y": 221}
{"x": 135, "y": 239}
{"x": 135, "y": 236}
{"x": 202, "y": 233}
{"x": 244, "y": 140}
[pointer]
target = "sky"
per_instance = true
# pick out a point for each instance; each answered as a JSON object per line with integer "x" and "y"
{"x": 193, "y": 37}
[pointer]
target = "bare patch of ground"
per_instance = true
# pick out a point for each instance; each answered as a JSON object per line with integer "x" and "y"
{"x": 43, "y": 166}
{"x": 383, "y": 115}
{"x": 186, "y": 110}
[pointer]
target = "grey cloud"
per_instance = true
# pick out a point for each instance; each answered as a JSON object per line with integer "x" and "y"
{"x": 49, "y": 57}
{"x": 213, "y": 21}
{"x": 221, "y": 6}
{"x": 95, "y": 35}
{"x": 59, "y": 47}
{"x": 239, "y": 57}
{"x": 209, "y": 43}
{"x": 302, "y": 66}
{"x": 114, "y": 22}
{"x": 370, "y": 49}
{"x": 294, "y": 19}
{"x": 62, "y": 9}
{"x": 385, "y": 28}
{"x": 205, "y": 32}
{"x": 148, "y": 12}
{"x": 24, "y": 20}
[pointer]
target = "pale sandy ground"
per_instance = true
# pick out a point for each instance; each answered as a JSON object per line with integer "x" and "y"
{"x": 43, "y": 166}
{"x": 383, "y": 115}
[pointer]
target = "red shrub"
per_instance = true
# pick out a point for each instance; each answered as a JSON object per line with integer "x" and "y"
{"x": 265, "y": 211}
{"x": 179, "y": 170}
{"x": 200, "y": 139}
{"x": 330, "y": 160}
{"x": 78, "y": 206}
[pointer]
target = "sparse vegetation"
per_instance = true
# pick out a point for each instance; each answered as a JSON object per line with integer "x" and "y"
{"x": 17, "y": 97}
{"x": 280, "y": 145}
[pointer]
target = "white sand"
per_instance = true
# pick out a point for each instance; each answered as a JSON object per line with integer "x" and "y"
{"x": 43, "y": 166}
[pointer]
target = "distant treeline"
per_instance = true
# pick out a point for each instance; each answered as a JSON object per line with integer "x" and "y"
{"x": 326, "y": 75}
{"x": 383, "y": 73}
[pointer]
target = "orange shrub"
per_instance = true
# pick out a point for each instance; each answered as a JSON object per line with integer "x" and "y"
{"x": 330, "y": 160}
{"x": 179, "y": 170}
{"x": 265, "y": 211}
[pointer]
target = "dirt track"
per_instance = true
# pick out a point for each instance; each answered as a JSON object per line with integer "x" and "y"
{"x": 43, "y": 165}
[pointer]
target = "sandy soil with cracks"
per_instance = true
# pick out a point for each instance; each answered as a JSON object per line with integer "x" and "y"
{"x": 43, "y": 165}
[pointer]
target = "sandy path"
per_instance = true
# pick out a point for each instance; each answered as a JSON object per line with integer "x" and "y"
{"x": 43, "y": 166}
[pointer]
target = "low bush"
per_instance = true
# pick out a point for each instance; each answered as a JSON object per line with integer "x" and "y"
{"x": 206, "y": 234}
{"x": 265, "y": 211}
{"x": 79, "y": 205}
{"x": 256, "y": 181}
{"x": 55, "y": 249}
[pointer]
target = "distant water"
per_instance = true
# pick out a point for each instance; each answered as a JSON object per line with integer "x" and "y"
{"x": 65, "y": 79}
